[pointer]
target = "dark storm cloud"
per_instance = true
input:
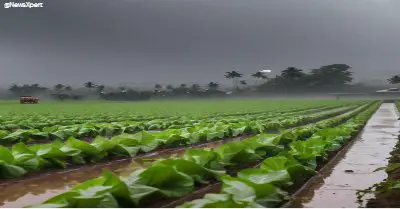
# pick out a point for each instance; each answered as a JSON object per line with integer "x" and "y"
{"x": 174, "y": 41}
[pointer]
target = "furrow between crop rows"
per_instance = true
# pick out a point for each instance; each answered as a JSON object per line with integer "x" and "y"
{"x": 22, "y": 159}
{"x": 197, "y": 166}
{"x": 89, "y": 131}
{"x": 71, "y": 177}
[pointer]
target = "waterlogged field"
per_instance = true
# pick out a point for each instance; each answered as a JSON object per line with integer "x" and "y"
{"x": 199, "y": 153}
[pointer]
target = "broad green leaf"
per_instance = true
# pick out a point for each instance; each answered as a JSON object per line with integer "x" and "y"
{"x": 168, "y": 180}
{"x": 240, "y": 190}
{"x": 260, "y": 176}
{"x": 10, "y": 171}
{"x": 6, "y": 155}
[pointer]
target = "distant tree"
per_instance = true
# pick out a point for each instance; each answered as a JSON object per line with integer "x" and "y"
{"x": 68, "y": 88}
{"x": 234, "y": 75}
{"x": 15, "y": 89}
{"x": 331, "y": 75}
{"x": 213, "y": 86}
{"x": 26, "y": 89}
{"x": 170, "y": 87}
{"x": 259, "y": 76}
{"x": 394, "y": 79}
{"x": 158, "y": 86}
{"x": 123, "y": 89}
{"x": 58, "y": 87}
{"x": 90, "y": 85}
{"x": 292, "y": 73}
{"x": 195, "y": 89}
{"x": 181, "y": 90}
{"x": 243, "y": 82}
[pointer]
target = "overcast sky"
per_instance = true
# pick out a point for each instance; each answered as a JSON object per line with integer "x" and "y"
{"x": 178, "y": 41}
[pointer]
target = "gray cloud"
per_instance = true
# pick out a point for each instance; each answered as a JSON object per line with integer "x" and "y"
{"x": 174, "y": 41}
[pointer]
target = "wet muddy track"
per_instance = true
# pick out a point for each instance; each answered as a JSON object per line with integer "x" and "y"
{"x": 353, "y": 167}
{"x": 388, "y": 198}
{"x": 39, "y": 188}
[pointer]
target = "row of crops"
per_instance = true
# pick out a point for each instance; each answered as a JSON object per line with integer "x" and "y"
{"x": 46, "y": 115}
{"x": 258, "y": 171}
{"x": 293, "y": 139}
{"x": 91, "y": 130}
{"x": 21, "y": 159}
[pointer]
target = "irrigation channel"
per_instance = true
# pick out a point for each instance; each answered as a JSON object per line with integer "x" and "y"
{"x": 336, "y": 186}
{"x": 353, "y": 168}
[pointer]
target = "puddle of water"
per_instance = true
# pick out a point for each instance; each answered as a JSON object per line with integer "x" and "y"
{"x": 337, "y": 188}
{"x": 36, "y": 190}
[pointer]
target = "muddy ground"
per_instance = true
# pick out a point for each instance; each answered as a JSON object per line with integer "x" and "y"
{"x": 390, "y": 198}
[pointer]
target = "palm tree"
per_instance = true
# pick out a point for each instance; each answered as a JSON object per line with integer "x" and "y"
{"x": 394, "y": 80}
{"x": 90, "y": 85}
{"x": 243, "y": 82}
{"x": 259, "y": 76}
{"x": 234, "y": 75}
{"x": 68, "y": 88}
{"x": 292, "y": 73}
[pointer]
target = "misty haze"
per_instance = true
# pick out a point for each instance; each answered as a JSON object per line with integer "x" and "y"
{"x": 200, "y": 104}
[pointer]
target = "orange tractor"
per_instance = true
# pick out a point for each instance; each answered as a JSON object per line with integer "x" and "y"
{"x": 28, "y": 100}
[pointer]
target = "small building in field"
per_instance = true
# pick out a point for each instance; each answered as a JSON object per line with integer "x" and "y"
{"x": 388, "y": 94}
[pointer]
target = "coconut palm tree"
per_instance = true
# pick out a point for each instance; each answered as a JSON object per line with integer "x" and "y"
{"x": 90, "y": 85}
{"x": 259, "y": 76}
{"x": 394, "y": 80}
{"x": 234, "y": 75}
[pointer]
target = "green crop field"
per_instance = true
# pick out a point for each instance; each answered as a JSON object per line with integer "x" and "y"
{"x": 257, "y": 149}
{"x": 170, "y": 107}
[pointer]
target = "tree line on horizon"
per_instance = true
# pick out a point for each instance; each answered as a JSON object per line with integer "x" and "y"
{"x": 291, "y": 80}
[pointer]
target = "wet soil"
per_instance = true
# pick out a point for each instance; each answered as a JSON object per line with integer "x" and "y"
{"x": 39, "y": 188}
{"x": 388, "y": 198}
{"x": 353, "y": 167}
